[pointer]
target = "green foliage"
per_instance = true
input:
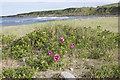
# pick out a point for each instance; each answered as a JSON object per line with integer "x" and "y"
{"x": 20, "y": 72}
{"x": 97, "y": 53}
{"x": 7, "y": 39}
{"x": 21, "y": 47}
{"x": 95, "y": 44}
{"x": 106, "y": 71}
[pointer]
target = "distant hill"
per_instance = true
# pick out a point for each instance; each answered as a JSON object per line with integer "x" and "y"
{"x": 111, "y": 5}
{"x": 111, "y": 9}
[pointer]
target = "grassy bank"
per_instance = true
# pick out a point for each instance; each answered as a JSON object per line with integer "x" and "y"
{"x": 108, "y": 23}
{"x": 111, "y": 9}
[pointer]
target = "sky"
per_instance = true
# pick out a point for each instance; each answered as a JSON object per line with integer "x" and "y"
{"x": 59, "y": 0}
{"x": 12, "y": 7}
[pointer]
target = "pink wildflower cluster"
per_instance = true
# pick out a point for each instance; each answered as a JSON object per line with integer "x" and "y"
{"x": 75, "y": 29}
{"x": 56, "y": 57}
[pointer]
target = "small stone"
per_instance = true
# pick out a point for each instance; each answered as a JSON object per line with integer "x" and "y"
{"x": 65, "y": 74}
{"x": 44, "y": 32}
{"x": 37, "y": 68}
{"x": 71, "y": 69}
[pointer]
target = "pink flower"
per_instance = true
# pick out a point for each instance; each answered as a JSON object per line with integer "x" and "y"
{"x": 50, "y": 53}
{"x": 75, "y": 30}
{"x": 76, "y": 27}
{"x": 56, "y": 57}
{"x": 10, "y": 61}
{"x": 72, "y": 30}
{"x": 62, "y": 39}
{"x": 86, "y": 27}
{"x": 83, "y": 36}
{"x": 72, "y": 45}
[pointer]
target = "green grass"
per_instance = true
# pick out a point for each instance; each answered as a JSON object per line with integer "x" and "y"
{"x": 111, "y": 5}
{"x": 108, "y": 23}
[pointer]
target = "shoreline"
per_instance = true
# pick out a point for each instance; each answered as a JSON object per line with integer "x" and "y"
{"x": 14, "y": 26}
{"x": 57, "y": 20}
{"x": 46, "y": 21}
{"x": 67, "y": 16}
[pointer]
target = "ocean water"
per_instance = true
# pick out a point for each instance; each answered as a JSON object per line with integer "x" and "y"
{"x": 14, "y": 21}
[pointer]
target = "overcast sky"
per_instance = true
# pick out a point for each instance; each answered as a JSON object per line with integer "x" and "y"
{"x": 59, "y": 0}
{"x": 12, "y": 7}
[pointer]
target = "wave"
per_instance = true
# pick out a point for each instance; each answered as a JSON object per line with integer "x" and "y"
{"x": 48, "y": 18}
{"x": 33, "y": 19}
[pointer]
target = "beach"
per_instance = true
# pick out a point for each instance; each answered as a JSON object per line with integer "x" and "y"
{"x": 108, "y": 23}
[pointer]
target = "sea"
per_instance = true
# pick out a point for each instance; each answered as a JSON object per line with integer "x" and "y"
{"x": 15, "y": 21}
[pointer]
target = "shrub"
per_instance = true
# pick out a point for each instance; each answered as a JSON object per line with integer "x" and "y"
{"x": 91, "y": 43}
{"x": 106, "y": 71}
{"x": 20, "y": 72}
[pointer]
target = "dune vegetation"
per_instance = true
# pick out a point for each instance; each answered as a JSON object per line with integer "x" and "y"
{"x": 89, "y": 46}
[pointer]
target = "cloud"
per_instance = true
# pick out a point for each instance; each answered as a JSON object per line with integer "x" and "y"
{"x": 113, "y": 1}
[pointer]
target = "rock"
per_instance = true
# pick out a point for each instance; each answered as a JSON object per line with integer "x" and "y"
{"x": 44, "y": 32}
{"x": 68, "y": 75}
{"x": 71, "y": 69}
